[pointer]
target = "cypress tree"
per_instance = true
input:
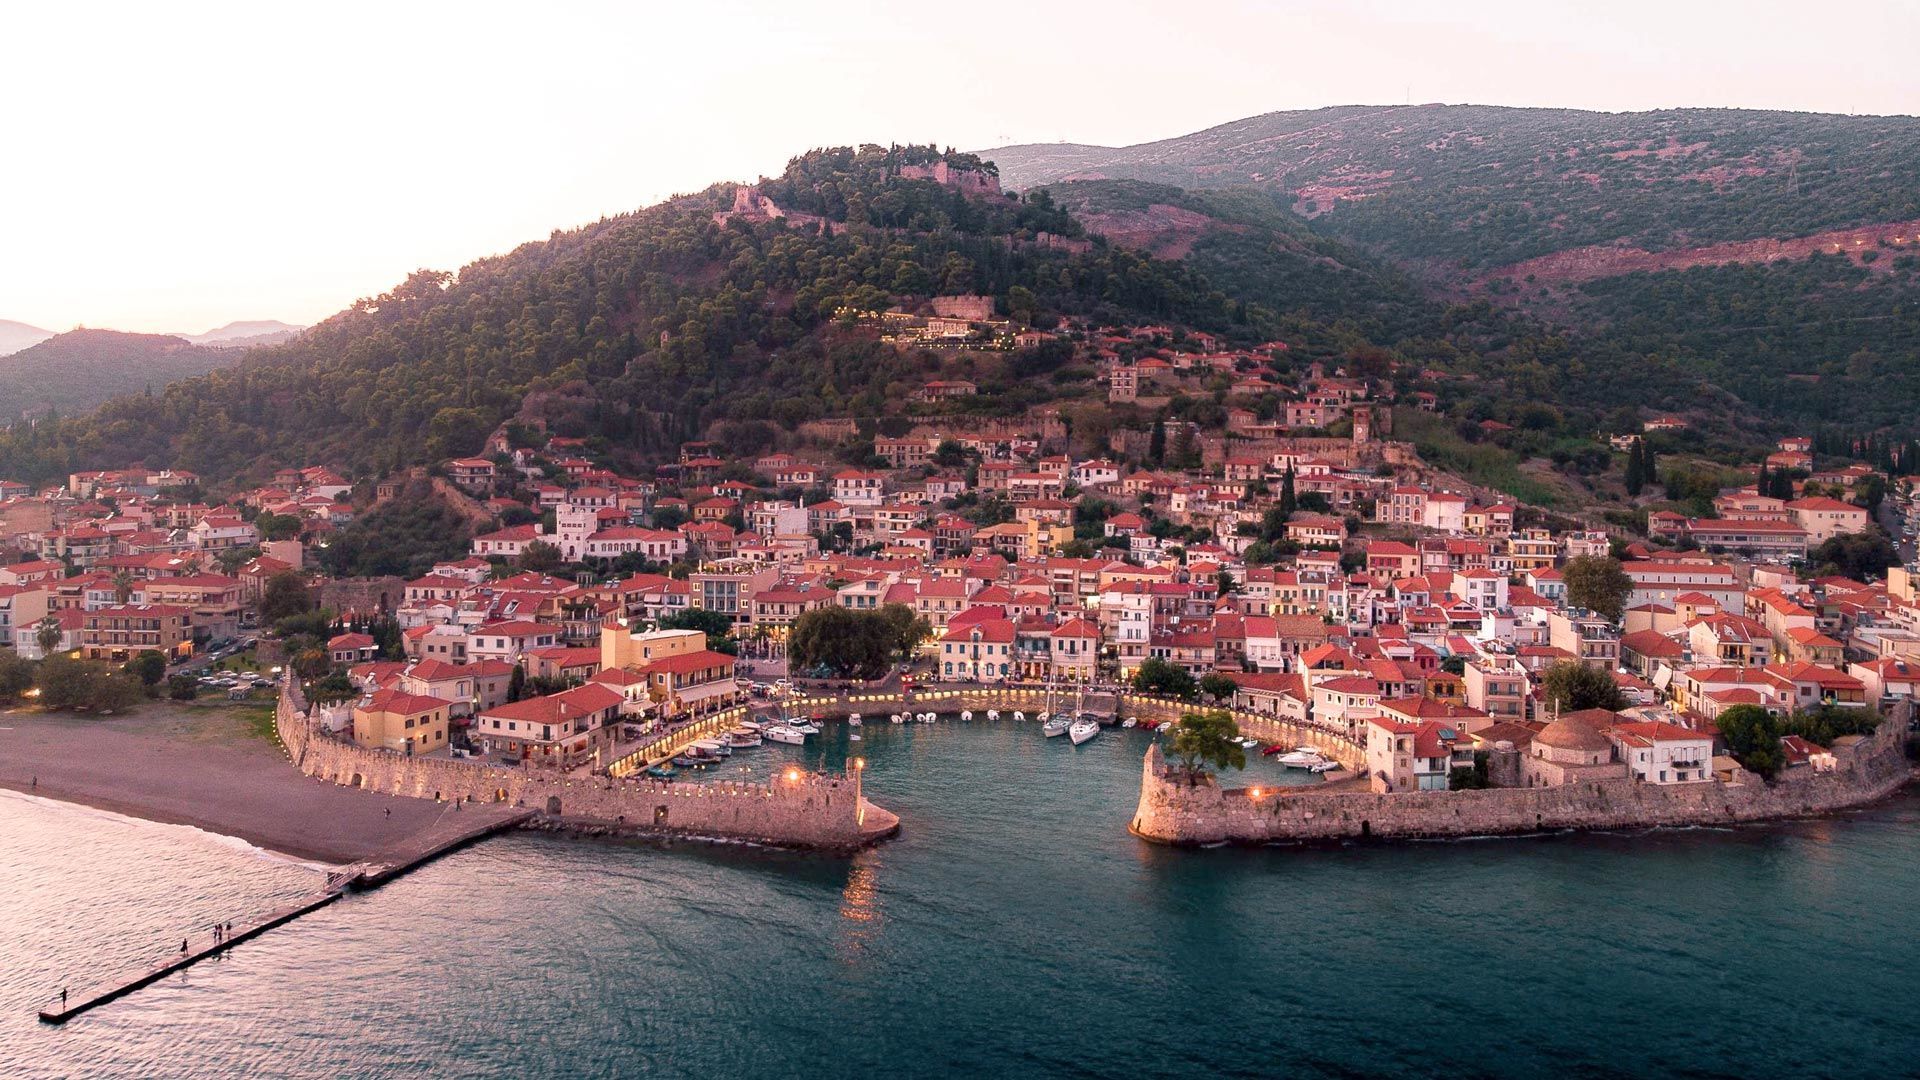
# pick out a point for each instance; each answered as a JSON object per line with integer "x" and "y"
{"x": 1763, "y": 484}
{"x": 1288, "y": 502}
{"x": 1636, "y": 467}
{"x": 1157, "y": 446}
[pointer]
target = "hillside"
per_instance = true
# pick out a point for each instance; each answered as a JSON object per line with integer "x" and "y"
{"x": 15, "y": 336}
{"x": 653, "y": 327}
{"x": 1480, "y": 186}
{"x": 80, "y": 369}
{"x": 1248, "y": 242}
{"x": 1760, "y": 253}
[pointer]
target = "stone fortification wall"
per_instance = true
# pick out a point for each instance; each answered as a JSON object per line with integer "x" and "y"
{"x": 801, "y": 810}
{"x": 1170, "y": 811}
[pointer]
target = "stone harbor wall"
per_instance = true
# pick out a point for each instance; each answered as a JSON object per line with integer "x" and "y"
{"x": 1172, "y": 812}
{"x": 799, "y": 809}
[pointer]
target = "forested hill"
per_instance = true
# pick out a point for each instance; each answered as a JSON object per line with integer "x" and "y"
{"x": 1479, "y": 186}
{"x": 645, "y": 329}
{"x": 82, "y": 368}
{"x": 1774, "y": 256}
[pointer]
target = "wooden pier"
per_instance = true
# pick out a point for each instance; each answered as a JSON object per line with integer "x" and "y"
{"x": 456, "y": 829}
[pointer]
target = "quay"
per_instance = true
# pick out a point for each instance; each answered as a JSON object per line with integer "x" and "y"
{"x": 456, "y": 829}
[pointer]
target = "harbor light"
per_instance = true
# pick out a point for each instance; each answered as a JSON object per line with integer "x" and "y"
{"x": 793, "y": 775}
{"x": 1255, "y": 792}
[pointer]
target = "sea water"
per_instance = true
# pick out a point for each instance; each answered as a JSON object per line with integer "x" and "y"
{"x": 1014, "y": 928}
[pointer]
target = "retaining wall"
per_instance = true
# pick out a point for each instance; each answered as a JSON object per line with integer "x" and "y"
{"x": 798, "y": 810}
{"x": 1173, "y": 812}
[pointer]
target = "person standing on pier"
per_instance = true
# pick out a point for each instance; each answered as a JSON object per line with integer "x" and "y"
{"x": 183, "y": 946}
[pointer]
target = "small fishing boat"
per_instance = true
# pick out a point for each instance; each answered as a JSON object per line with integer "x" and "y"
{"x": 742, "y": 738}
{"x": 804, "y": 727}
{"x": 853, "y": 719}
{"x": 1129, "y": 722}
{"x": 781, "y": 733}
{"x": 993, "y": 714}
{"x": 1083, "y": 729}
{"x": 966, "y": 714}
{"x": 897, "y": 718}
{"x": 1018, "y": 715}
{"x": 714, "y": 747}
{"x": 663, "y": 772}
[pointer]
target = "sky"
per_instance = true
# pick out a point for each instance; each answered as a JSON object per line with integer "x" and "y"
{"x": 172, "y": 167}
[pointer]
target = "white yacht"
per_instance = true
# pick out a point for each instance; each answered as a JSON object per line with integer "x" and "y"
{"x": 853, "y": 719}
{"x": 804, "y": 727}
{"x": 781, "y": 733}
{"x": 1302, "y": 757}
{"x": 1055, "y": 725}
{"x": 1083, "y": 729}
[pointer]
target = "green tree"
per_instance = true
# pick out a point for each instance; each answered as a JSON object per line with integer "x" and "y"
{"x": 1289, "y": 502}
{"x": 718, "y": 626}
{"x": 16, "y": 676}
{"x": 1636, "y": 478}
{"x": 1157, "y": 443}
{"x": 1862, "y": 556}
{"x": 1158, "y": 676}
{"x": 183, "y": 687}
{"x": 122, "y": 586}
{"x": 1752, "y": 735}
{"x": 277, "y": 526}
{"x": 311, "y": 663}
{"x": 950, "y": 454}
{"x": 1575, "y": 686}
{"x": 850, "y": 644}
{"x": 148, "y": 666}
{"x": 47, "y": 635}
{"x": 335, "y": 687}
{"x": 540, "y": 557}
{"x": 284, "y": 595}
{"x": 904, "y": 630}
{"x": 1218, "y": 687}
{"x": 69, "y": 683}
{"x": 517, "y": 684}
{"x": 1599, "y": 584}
{"x": 1203, "y": 742}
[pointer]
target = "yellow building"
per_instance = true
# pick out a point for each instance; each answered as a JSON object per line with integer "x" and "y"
{"x": 397, "y": 720}
{"x": 620, "y": 647}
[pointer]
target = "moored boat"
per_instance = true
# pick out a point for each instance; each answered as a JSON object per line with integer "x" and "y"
{"x": 714, "y": 747}
{"x": 1083, "y": 729}
{"x": 742, "y": 738}
{"x": 1055, "y": 725}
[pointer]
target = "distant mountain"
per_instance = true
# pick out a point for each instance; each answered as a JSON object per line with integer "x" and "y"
{"x": 1775, "y": 255}
{"x": 246, "y": 334}
{"x": 15, "y": 336}
{"x": 1481, "y": 186}
{"x": 80, "y": 369}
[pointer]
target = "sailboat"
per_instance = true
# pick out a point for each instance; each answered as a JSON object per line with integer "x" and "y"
{"x": 1085, "y": 724}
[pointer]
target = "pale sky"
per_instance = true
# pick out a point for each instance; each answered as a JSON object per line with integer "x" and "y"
{"x": 171, "y": 167}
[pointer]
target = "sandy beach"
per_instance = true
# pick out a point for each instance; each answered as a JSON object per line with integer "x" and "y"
{"x": 207, "y": 767}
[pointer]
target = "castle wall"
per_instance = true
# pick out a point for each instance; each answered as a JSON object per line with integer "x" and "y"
{"x": 808, "y": 810}
{"x": 1170, "y": 811}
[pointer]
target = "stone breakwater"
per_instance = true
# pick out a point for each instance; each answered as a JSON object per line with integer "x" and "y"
{"x": 802, "y": 810}
{"x": 1173, "y": 812}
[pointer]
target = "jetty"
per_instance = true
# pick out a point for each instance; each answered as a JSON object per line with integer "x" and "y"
{"x": 459, "y": 826}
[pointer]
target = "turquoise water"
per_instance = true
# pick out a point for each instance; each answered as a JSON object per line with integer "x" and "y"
{"x": 1013, "y": 929}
